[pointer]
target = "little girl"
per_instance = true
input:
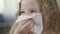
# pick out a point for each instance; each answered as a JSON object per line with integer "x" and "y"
{"x": 28, "y": 7}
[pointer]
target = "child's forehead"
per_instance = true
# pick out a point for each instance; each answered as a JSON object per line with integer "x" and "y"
{"x": 29, "y": 4}
{"x": 28, "y": 0}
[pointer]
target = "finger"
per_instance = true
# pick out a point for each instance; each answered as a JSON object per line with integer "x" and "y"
{"x": 28, "y": 26}
{"x": 25, "y": 28}
{"x": 20, "y": 25}
{"x": 23, "y": 22}
{"x": 18, "y": 29}
{"x": 31, "y": 32}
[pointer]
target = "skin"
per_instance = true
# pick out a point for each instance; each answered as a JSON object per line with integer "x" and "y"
{"x": 25, "y": 27}
{"x": 27, "y": 8}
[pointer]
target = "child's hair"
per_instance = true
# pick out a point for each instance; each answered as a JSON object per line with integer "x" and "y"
{"x": 19, "y": 10}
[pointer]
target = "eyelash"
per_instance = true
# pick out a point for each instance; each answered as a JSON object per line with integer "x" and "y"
{"x": 31, "y": 11}
{"x": 22, "y": 12}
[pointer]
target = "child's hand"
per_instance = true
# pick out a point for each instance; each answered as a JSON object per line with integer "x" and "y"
{"x": 25, "y": 27}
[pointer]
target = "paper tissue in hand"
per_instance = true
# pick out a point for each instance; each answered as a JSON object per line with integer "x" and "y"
{"x": 38, "y": 27}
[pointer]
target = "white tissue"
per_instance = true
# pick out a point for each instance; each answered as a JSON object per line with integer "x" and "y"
{"x": 38, "y": 27}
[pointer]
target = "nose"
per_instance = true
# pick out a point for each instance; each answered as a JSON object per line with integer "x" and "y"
{"x": 28, "y": 13}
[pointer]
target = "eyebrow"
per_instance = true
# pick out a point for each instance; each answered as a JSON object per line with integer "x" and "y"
{"x": 32, "y": 9}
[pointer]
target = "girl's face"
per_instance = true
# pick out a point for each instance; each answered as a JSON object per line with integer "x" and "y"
{"x": 29, "y": 6}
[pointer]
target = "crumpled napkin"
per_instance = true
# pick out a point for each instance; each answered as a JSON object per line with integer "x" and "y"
{"x": 38, "y": 27}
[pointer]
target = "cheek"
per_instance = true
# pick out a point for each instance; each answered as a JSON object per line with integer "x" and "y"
{"x": 38, "y": 10}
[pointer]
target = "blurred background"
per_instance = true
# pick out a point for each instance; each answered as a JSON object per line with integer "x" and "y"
{"x": 8, "y": 10}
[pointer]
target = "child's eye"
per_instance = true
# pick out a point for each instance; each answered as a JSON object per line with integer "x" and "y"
{"x": 22, "y": 12}
{"x": 33, "y": 11}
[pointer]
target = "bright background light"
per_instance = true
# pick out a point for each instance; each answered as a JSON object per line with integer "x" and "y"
{"x": 1, "y": 6}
